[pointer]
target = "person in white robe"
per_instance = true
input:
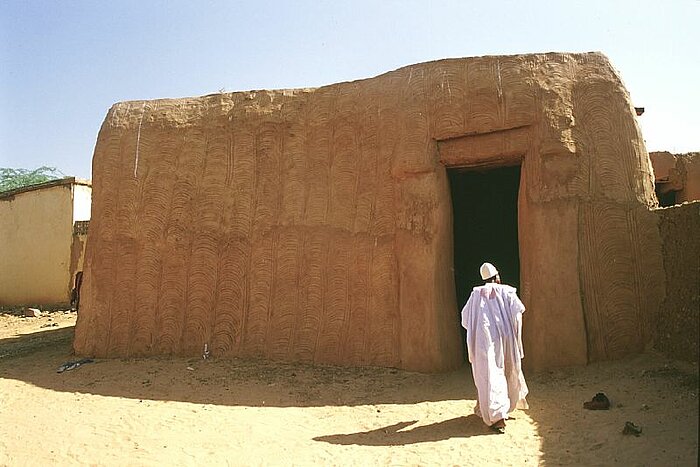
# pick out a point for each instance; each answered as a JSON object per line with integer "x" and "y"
{"x": 493, "y": 320}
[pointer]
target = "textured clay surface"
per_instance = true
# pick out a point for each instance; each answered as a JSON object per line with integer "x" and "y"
{"x": 679, "y": 173}
{"x": 678, "y": 321}
{"x": 316, "y": 224}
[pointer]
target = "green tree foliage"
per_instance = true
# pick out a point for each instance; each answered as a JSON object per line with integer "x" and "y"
{"x": 18, "y": 178}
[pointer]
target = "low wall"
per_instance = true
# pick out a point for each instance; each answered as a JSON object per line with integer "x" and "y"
{"x": 35, "y": 239}
{"x": 677, "y": 329}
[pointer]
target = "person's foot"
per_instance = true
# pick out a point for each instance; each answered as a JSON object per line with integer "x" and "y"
{"x": 499, "y": 427}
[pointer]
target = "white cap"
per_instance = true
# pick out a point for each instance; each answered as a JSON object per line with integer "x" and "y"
{"x": 488, "y": 270}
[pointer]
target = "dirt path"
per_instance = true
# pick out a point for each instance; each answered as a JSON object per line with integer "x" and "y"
{"x": 236, "y": 412}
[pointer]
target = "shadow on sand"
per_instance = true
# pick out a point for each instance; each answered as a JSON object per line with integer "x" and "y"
{"x": 29, "y": 343}
{"x": 568, "y": 435}
{"x": 395, "y": 435}
{"x": 34, "y": 359}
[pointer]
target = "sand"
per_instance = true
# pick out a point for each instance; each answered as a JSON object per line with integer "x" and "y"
{"x": 176, "y": 411}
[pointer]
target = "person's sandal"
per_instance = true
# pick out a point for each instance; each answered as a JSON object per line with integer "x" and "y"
{"x": 499, "y": 427}
{"x": 599, "y": 402}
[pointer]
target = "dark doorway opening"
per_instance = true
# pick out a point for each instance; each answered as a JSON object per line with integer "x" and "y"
{"x": 485, "y": 213}
{"x": 666, "y": 197}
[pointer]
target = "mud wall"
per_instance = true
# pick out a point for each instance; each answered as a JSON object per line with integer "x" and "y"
{"x": 679, "y": 173}
{"x": 35, "y": 246}
{"x": 82, "y": 204}
{"x": 677, "y": 328}
{"x": 316, "y": 224}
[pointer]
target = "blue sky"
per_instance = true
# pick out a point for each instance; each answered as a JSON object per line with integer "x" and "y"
{"x": 64, "y": 63}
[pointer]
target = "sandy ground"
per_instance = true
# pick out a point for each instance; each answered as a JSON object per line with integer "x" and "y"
{"x": 237, "y": 412}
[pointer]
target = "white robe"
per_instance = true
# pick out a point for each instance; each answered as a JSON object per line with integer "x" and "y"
{"x": 493, "y": 320}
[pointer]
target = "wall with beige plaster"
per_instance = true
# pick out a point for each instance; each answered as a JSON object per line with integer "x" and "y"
{"x": 39, "y": 252}
{"x": 82, "y": 202}
{"x": 35, "y": 241}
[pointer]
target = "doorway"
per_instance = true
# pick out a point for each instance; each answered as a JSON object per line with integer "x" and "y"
{"x": 485, "y": 225}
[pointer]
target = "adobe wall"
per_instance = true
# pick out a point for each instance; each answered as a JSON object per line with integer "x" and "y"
{"x": 679, "y": 173}
{"x": 82, "y": 204}
{"x": 35, "y": 246}
{"x": 316, "y": 224}
{"x": 677, "y": 328}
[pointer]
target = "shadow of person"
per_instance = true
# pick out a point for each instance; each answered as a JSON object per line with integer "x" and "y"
{"x": 395, "y": 435}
